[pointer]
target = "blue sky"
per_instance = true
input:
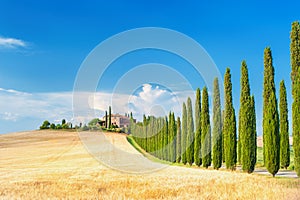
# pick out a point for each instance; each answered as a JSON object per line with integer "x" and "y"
{"x": 42, "y": 45}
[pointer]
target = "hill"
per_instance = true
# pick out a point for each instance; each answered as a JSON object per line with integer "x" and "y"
{"x": 53, "y": 164}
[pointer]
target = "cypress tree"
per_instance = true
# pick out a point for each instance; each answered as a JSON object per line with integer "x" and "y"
{"x": 295, "y": 76}
{"x": 223, "y": 151}
{"x": 271, "y": 136}
{"x": 205, "y": 130}
{"x": 172, "y": 136}
{"x": 217, "y": 127}
{"x": 166, "y": 139}
{"x": 247, "y": 135}
{"x": 229, "y": 124}
{"x": 190, "y": 133}
{"x": 178, "y": 141}
{"x": 197, "y": 152}
{"x": 284, "y": 128}
{"x": 253, "y": 145}
{"x": 183, "y": 133}
{"x": 109, "y": 117}
{"x": 170, "y": 139}
{"x": 144, "y": 137}
{"x": 105, "y": 119}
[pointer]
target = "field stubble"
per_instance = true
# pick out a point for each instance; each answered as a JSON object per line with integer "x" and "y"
{"x": 55, "y": 165}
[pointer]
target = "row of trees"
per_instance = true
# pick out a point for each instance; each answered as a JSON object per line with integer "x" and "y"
{"x": 180, "y": 141}
{"x": 64, "y": 125}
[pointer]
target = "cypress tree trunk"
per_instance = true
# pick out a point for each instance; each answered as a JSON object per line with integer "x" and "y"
{"x": 183, "y": 133}
{"x": 247, "y": 135}
{"x": 217, "y": 127}
{"x": 190, "y": 133}
{"x": 229, "y": 124}
{"x": 206, "y": 130}
{"x": 178, "y": 141}
{"x": 271, "y": 138}
{"x": 197, "y": 152}
{"x": 284, "y": 128}
{"x": 295, "y": 76}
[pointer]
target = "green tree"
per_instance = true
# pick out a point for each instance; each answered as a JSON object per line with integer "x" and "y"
{"x": 58, "y": 126}
{"x": 109, "y": 118}
{"x": 178, "y": 141}
{"x": 197, "y": 148}
{"x": 247, "y": 134}
{"x": 94, "y": 122}
{"x": 184, "y": 133}
{"x": 63, "y": 122}
{"x": 45, "y": 125}
{"x": 253, "y": 146}
{"x": 205, "y": 130}
{"x": 229, "y": 124}
{"x": 190, "y": 133}
{"x": 65, "y": 126}
{"x": 271, "y": 138}
{"x": 173, "y": 138}
{"x": 295, "y": 76}
{"x": 166, "y": 139}
{"x": 105, "y": 119}
{"x": 284, "y": 128}
{"x": 217, "y": 127}
{"x": 52, "y": 126}
{"x": 223, "y": 151}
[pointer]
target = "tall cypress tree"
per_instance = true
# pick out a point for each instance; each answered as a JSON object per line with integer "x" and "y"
{"x": 178, "y": 141}
{"x": 229, "y": 124}
{"x": 166, "y": 139}
{"x": 253, "y": 145}
{"x": 190, "y": 133}
{"x": 144, "y": 137}
{"x": 184, "y": 133}
{"x": 271, "y": 136}
{"x": 205, "y": 130}
{"x": 217, "y": 127}
{"x": 172, "y": 143}
{"x": 109, "y": 117}
{"x": 284, "y": 128}
{"x": 223, "y": 151}
{"x": 170, "y": 139}
{"x": 247, "y": 135}
{"x": 197, "y": 150}
{"x": 105, "y": 119}
{"x": 295, "y": 76}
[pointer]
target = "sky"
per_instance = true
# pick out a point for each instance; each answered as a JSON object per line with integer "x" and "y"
{"x": 43, "y": 45}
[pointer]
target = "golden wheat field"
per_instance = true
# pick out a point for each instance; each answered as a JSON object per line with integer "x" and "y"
{"x": 56, "y": 165}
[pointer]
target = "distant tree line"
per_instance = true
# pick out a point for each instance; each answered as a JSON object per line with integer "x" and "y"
{"x": 64, "y": 125}
{"x": 225, "y": 141}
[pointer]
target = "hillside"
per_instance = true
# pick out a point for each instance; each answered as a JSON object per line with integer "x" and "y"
{"x": 52, "y": 164}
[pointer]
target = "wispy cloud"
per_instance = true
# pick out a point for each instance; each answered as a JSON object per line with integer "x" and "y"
{"x": 11, "y": 43}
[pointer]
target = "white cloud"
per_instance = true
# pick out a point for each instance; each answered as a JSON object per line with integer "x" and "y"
{"x": 11, "y": 43}
{"x": 16, "y": 105}
{"x": 33, "y": 108}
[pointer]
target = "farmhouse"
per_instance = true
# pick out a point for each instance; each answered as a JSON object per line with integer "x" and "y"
{"x": 119, "y": 120}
